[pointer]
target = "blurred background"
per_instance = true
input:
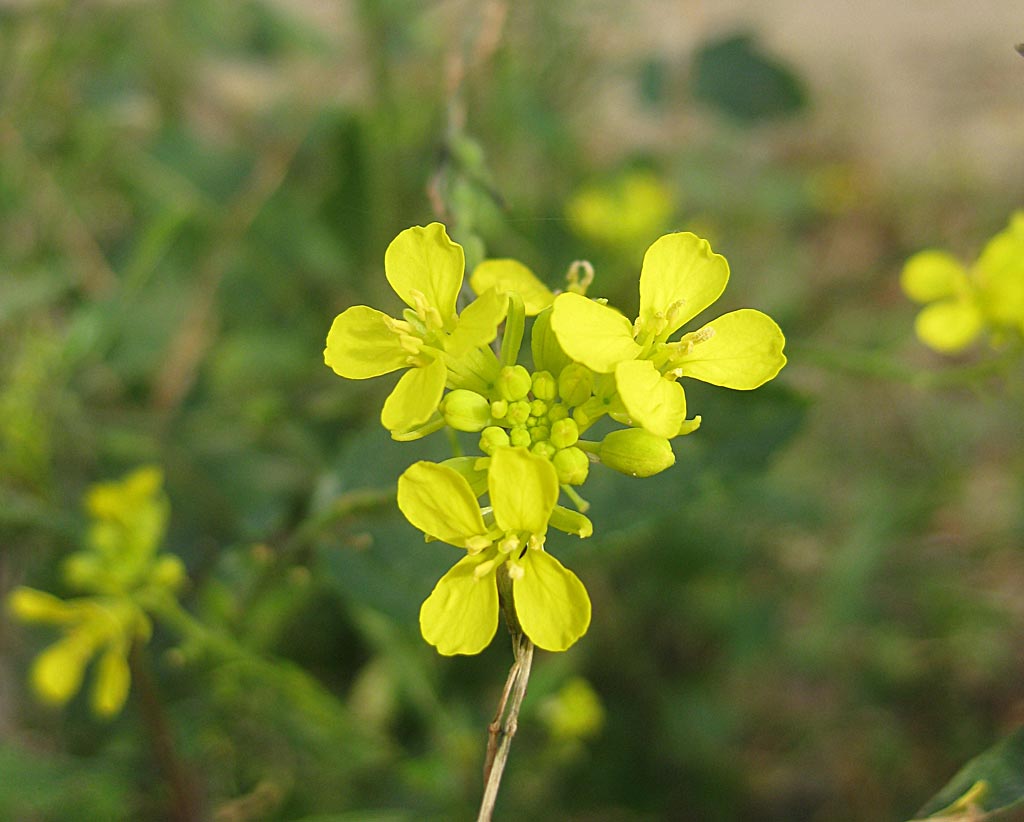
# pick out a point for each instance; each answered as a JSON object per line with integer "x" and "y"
{"x": 815, "y": 615}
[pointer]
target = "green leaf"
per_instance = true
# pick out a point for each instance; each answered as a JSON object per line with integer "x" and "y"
{"x": 988, "y": 788}
{"x": 733, "y": 76}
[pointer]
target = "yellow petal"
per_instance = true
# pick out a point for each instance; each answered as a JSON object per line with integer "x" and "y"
{"x": 949, "y": 326}
{"x": 591, "y": 333}
{"x": 415, "y": 397}
{"x": 512, "y": 275}
{"x": 30, "y": 605}
{"x": 681, "y": 276}
{"x": 744, "y": 351}
{"x": 551, "y": 603}
{"x": 425, "y": 260}
{"x": 653, "y": 402}
{"x": 1000, "y": 275}
{"x": 439, "y": 501}
{"x": 56, "y": 674}
{"x": 523, "y": 488}
{"x": 478, "y": 323}
{"x": 932, "y": 275}
{"x": 361, "y": 344}
{"x": 461, "y": 614}
{"x": 111, "y": 682}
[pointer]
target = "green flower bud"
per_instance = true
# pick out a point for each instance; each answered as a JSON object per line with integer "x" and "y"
{"x": 572, "y": 466}
{"x": 575, "y": 384}
{"x": 86, "y": 572}
{"x": 519, "y": 435}
{"x": 499, "y": 408}
{"x": 492, "y": 438}
{"x": 466, "y": 410}
{"x": 545, "y": 386}
{"x": 518, "y": 413}
{"x": 539, "y": 433}
{"x": 557, "y": 412}
{"x": 543, "y": 449}
{"x": 168, "y": 572}
{"x": 564, "y": 433}
{"x": 539, "y": 408}
{"x": 636, "y": 452}
{"x": 514, "y": 382}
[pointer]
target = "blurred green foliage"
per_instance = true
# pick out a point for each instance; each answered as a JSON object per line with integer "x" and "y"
{"x": 814, "y": 615}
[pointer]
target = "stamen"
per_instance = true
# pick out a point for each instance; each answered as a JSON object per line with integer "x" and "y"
{"x": 509, "y": 543}
{"x": 477, "y": 543}
{"x": 484, "y": 568}
{"x": 576, "y": 283}
{"x": 515, "y": 571}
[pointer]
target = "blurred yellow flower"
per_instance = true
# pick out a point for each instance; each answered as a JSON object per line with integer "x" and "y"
{"x": 963, "y": 302}
{"x": 622, "y": 213}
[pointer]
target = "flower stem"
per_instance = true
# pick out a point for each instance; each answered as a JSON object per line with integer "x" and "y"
{"x": 506, "y": 721}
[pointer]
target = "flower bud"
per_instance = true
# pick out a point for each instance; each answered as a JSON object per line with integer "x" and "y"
{"x": 539, "y": 433}
{"x": 499, "y": 408}
{"x": 518, "y": 413}
{"x": 545, "y": 386}
{"x": 466, "y": 410}
{"x": 538, "y": 408}
{"x": 492, "y": 438}
{"x": 543, "y": 449}
{"x": 514, "y": 382}
{"x": 557, "y": 412}
{"x": 519, "y": 435}
{"x": 564, "y": 433}
{"x": 572, "y": 466}
{"x": 636, "y": 452}
{"x": 168, "y": 572}
{"x": 575, "y": 384}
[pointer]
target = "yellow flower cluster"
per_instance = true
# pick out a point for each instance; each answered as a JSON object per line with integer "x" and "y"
{"x": 588, "y": 362}
{"x": 118, "y": 572}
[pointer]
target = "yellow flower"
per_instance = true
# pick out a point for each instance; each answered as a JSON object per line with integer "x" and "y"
{"x": 438, "y": 346}
{"x": 120, "y": 570}
{"x": 963, "y": 302}
{"x": 680, "y": 278}
{"x": 621, "y": 214}
{"x": 92, "y": 627}
{"x": 461, "y": 614}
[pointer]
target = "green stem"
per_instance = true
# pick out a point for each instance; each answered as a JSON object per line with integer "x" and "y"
{"x": 515, "y": 325}
{"x": 871, "y": 364}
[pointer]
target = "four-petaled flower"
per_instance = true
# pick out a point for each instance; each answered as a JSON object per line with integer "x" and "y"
{"x": 425, "y": 268}
{"x": 461, "y": 615}
{"x": 680, "y": 277}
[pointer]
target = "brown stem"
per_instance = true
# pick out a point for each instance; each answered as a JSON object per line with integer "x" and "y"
{"x": 184, "y": 799}
{"x": 500, "y": 734}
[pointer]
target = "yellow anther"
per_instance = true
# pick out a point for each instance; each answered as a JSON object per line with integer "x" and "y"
{"x": 430, "y": 316}
{"x": 516, "y": 571}
{"x": 536, "y": 541}
{"x": 484, "y": 568}
{"x": 509, "y": 543}
{"x": 477, "y": 543}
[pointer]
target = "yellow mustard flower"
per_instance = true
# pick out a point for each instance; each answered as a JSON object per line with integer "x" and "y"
{"x": 622, "y": 212}
{"x": 92, "y": 627}
{"x": 960, "y": 302}
{"x": 438, "y": 346}
{"x": 680, "y": 277}
{"x": 118, "y": 570}
{"x": 461, "y": 614}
